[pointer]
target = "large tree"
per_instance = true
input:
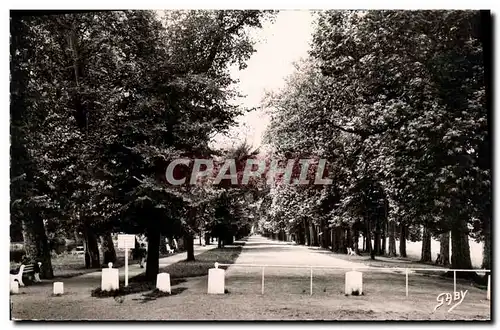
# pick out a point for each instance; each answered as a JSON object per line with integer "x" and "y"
{"x": 396, "y": 99}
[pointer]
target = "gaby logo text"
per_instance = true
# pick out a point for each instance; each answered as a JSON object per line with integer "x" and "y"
{"x": 448, "y": 298}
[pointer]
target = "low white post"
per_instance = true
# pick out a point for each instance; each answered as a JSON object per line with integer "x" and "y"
{"x": 58, "y": 288}
{"x": 110, "y": 278}
{"x": 14, "y": 286}
{"x": 216, "y": 280}
{"x": 353, "y": 283}
{"x": 488, "y": 292}
{"x": 163, "y": 282}
{"x": 406, "y": 271}
{"x": 263, "y": 280}
{"x": 126, "y": 267}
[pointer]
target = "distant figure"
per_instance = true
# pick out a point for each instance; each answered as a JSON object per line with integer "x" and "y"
{"x": 144, "y": 254}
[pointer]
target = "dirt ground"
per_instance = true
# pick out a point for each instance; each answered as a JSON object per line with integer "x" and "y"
{"x": 286, "y": 294}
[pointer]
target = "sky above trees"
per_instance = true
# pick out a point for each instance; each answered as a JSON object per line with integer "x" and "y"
{"x": 278, "y": 45}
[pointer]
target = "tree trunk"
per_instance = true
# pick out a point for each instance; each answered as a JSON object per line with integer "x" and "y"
{"x": 207, "y": 238}
{"x": 486, "y": 264}
{"x": 314, "y": 234}
{"x": 219, "y": 242}
{"x": 342, "y": 240}
{"x": 91, "y": 249}
{"x": 153, "y": 259}
{"x": 444, "y": 249}
{"x": 402, "y": 241}
{"x": 338, "y": 240}
{"x": 36, "y": 244}
{"x": 349, "y": 238}
{"x": 163, "y": 245}
{"x": 298, "y": 236}
{"x": 364, "y": 242}
{"x": 108, "y": 249}
{"x": 311, "y": 233}
{"x": 332, "y": 238}
{"x": 324, "y": 237}
{"x": 385, "y": 226}
{"x": 328, "y": 237}
{"x": 376, "y": 239}
{"x": 189, "y": 246}
{"x": 356, "y": 241}
{"x": 229, "y": 239}
{"x": 426, "y": 255}
{"x": 369, "y": 247}
{"x": 384, "y": 237}
{"x": 460, "y": 251}
{"x": 307, "y": 232}
{"x": 485, "y": 160}
{"x": 392, "y": 238}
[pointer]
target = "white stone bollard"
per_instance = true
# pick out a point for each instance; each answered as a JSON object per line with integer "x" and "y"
{"x": 14, "y": 287}
{"x": 58, "y": 288}
{"x": 110, "y": 278}
{"x": 353, "y": 283}
{"x": 216, "y": 280}
{"x": 163, "y": 282}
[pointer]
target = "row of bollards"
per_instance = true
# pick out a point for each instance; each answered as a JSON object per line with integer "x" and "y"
{"x": 58, "y": 288}
{"x": 109, "y": 282}
{"x": 353, "y": 282}
{"x": 216, "y": 282}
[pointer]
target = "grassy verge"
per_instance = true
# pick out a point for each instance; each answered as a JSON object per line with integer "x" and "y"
{"x": 384, "y": 262}
{"x": 397, "y": 262}
{"x": 178, "y": 273}
{"x": 67, "y": 265}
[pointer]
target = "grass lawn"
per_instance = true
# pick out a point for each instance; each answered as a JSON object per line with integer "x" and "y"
{"x": 384, "y": 296}
{"x": 188, "y": 281}
{"x": 178, "y": 271}
{"x": 67, "y": 265}
{"x": 414, "y": 250}
{"x": 284, "y": 299}
{"x": 286, "y": 296}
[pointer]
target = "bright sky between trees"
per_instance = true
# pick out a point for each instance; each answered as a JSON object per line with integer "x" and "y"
{"x": 278, "y": 46}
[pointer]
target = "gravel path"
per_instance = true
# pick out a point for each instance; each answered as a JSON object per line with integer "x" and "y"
{"x": 260, "y": 250}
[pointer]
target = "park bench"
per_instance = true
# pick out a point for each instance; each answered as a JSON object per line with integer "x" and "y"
{"x": 27, "y": 271}
{"x": 79, "y": 250}
{"x": 350, "y": 252}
